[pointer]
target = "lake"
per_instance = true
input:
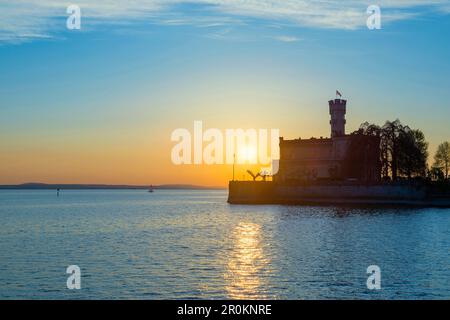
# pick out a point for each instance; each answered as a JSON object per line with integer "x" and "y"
{"x": 188, "y": 244}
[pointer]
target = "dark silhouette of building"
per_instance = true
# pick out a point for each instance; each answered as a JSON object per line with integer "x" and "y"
{"x": 341, "y": 157}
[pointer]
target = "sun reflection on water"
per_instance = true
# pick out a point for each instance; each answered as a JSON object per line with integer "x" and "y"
{"x": 247, "y": 263}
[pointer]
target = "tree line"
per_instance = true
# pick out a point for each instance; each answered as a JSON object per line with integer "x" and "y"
{"x": 404, "y": 152}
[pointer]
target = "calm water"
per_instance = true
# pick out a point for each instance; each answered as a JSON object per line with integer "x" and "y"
{"x": 192, "y": 244}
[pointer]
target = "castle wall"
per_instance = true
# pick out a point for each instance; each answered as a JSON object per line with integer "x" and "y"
{"x": 249, "y": 192}
{"x": 312, "y": 159}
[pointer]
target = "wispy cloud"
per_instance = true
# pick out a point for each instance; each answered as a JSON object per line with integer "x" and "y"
{"x": 287, "y": 39}
{"x": 23, "y": 20}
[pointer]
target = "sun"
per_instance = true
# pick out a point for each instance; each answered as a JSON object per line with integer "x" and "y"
{"x": 247, "y": 154}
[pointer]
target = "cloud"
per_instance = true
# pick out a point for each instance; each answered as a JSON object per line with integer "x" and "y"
{"x": 24, "y": 20}
{"x": 287, "y": 39}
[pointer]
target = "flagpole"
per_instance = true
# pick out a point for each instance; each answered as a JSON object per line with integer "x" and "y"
{"x": 234, "y": 162}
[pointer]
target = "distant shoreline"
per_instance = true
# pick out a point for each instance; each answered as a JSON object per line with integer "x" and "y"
{"x": 44, "y": 186}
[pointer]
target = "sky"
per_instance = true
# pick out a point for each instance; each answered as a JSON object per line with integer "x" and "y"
{"x": 99, "y": 104}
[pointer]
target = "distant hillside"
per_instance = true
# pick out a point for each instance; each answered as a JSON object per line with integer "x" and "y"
{"x": 44, "y": 186}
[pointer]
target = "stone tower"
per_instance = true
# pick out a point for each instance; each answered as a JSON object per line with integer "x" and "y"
{"x": 338, "y": 109}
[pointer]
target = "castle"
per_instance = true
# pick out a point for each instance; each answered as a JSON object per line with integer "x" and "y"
{"x": 341, "y": 170}
{"x": 342, "y": 157}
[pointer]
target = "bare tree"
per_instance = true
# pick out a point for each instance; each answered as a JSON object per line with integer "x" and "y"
{"x": 390, "y": 134}
{"x": 412, "y": 153}
{"x": 403, "y": 151}
{"x": 442, "y": 157}
{"x": 254, "y": 176}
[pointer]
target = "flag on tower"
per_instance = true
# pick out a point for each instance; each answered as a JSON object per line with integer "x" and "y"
{"x": 338, "y": 94}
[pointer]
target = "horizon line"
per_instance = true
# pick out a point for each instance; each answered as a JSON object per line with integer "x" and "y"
{"x": 41, "y": 185}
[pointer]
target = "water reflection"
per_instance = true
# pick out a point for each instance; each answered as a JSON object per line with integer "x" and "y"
{"x": 246, "y": 268}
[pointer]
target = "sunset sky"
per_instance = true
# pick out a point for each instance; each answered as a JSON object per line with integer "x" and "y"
{"x": 98, "y": 105}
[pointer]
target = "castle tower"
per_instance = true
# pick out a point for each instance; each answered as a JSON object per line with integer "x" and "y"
{"x": 338, "y": 109}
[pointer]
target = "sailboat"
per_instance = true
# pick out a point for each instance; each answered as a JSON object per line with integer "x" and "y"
{"x": 150, "y": 189}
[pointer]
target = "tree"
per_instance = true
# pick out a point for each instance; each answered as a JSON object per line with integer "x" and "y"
{"x": 390, "y": 134}
{"x": 262, "y": 174}
{"x": 362, "y": 154}
{"x": 403, "y": 151}
{"x": 412, "y": 153}
{"x": 254, "y": 176}
{"x": 436, "y": 174}
{"x": 442, "y": 157}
